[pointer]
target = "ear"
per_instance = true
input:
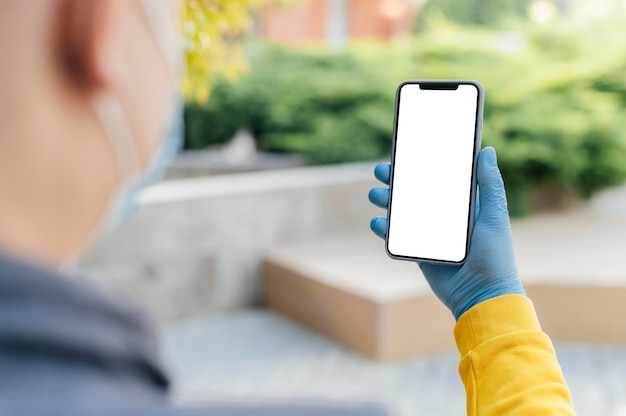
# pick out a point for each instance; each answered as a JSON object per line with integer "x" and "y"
{"x": 87, "y": 38}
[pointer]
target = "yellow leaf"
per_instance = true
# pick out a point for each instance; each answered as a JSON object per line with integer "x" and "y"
{"x": 212, "y": 31}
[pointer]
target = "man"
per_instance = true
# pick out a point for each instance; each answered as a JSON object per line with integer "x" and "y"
{"x": 89, "y": 114}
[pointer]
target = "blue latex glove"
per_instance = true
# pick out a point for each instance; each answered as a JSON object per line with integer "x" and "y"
{"x": 489, "y": 269}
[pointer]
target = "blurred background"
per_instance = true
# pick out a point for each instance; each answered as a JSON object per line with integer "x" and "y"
{"x": 255, "y": 255}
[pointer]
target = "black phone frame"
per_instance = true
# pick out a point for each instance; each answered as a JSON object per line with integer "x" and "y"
{"x": 478, "y": 125}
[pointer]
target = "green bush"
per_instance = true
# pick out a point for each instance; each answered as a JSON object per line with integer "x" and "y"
{"x": 554, "y": 102}
{"x": 476, "y": 12}
{"x": 325, "y": 105}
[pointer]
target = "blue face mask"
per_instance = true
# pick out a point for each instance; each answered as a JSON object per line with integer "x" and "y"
{"x": 162, "y": 157}
{"x": 123, "y": 203}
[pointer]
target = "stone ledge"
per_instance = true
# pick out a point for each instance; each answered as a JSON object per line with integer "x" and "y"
{"x": 347, "y": 288}
{"x": 195, "y": 246}
{"x": 257, "y": 182}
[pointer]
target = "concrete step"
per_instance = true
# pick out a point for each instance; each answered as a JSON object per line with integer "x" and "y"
{"x": 349, "y": 290}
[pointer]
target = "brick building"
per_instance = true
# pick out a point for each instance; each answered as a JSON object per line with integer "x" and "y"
{"x": 337, "y": 21}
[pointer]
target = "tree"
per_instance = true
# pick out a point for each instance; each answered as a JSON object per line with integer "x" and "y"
{"x": 212, "y": 32}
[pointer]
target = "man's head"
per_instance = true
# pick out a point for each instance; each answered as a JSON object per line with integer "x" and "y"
{"x": 86, "y": 88}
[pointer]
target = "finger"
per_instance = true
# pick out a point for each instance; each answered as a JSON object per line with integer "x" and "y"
{"x": 379, "y": 197}
{"x": 492, "y": 197}
{"x": 379, "y": 226}
{"x": 382, "y": 171}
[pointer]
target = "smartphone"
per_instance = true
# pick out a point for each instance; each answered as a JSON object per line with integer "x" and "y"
{"x": 433, "y": 170}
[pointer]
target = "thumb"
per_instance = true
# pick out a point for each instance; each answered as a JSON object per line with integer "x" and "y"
{"x": 492, "y": 197}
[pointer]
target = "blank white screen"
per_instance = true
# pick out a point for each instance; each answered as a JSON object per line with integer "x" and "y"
{"x": 432, "y": 174}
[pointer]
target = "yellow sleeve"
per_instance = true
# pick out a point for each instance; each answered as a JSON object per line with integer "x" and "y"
{"x": 508, "y": 365}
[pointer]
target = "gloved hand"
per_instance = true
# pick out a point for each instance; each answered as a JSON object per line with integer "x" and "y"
{"x": 489, "y": 269}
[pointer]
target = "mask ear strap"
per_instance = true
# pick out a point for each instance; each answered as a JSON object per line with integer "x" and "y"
{"x": 156, "y": 13}
{"x": 118, "y": 132}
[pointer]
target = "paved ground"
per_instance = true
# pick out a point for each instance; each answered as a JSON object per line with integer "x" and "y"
{"x": 257, "y": 355}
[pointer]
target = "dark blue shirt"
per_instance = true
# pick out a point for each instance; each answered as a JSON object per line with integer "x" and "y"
{"x": 67, "y": 349}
